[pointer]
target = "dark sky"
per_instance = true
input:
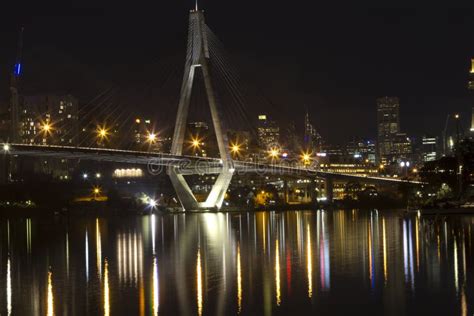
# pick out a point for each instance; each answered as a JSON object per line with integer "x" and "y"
{"x": 334, "y": 60}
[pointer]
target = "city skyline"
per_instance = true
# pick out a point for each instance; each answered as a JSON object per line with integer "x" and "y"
{"x": 429, "y": 78}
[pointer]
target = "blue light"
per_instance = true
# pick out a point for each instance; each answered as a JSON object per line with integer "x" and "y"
{"x": 17, "y": 69}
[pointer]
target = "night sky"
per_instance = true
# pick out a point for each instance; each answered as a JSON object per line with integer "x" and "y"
{"x": 333, "y": 60}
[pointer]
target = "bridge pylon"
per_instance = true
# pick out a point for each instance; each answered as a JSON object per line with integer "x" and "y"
{"x": 198, "y": 57}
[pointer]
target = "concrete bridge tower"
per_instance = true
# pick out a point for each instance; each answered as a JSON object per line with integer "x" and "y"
{"x": 197, "y": 59}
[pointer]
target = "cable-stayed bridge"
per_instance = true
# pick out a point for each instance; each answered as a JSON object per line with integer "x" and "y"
{"x": 202, "y": 62}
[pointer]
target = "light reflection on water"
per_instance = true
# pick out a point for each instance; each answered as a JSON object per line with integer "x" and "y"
{"x": 336, "y": 262}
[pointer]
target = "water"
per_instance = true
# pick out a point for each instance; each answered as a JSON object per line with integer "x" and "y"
{"x": 320, "y": 262}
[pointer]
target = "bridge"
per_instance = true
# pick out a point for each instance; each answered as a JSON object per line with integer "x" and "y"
{"x": 175, "y": 163}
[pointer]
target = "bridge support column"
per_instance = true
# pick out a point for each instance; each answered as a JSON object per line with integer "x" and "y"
{"x": 197, "y": 57}
{"x": 4, "y": 169}
{"x": 329, "y": 184}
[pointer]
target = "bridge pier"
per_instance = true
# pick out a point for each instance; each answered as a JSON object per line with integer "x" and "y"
{"x": 329, "y": 186}
{"x": 4, "y": 169}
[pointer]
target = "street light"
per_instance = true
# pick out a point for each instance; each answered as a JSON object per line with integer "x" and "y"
{"x": 102, "y": 132}
{"x": 85, "y": 176}
{"x": 274, "y": 153}
{"x": 6, "y": 147}
{"x": 235, "y": 149}
{"x": 306, "y": 158}
{"x": 98, "y": 175}
{"x": 151, "y": 138}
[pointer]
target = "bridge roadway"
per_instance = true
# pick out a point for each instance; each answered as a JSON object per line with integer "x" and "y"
{"x": 185, "y": 164}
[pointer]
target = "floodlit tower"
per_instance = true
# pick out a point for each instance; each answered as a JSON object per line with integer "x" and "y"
{"x": 198, "y": 59}
{"x": 14, "y": 87}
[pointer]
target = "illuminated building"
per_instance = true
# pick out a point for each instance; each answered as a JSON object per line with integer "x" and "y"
{"x": 401, "y": 147}
{"x": 429, "y": 148}
{"x": 268, "y": 133}
{"x": 364, "y": 150}
{"x": 59, "y": 112}
{"x": 312, "y": 139}
{"x": 388, "y": 125}
{"x": 471, "y": 87}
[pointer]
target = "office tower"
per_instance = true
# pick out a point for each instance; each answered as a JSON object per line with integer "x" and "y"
{"x": 429, "y": 148}
{"x": 268, "y": 133}
{"x": 388, "y": 125}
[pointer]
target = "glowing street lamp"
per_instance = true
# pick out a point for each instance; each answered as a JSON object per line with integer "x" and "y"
{"x": 235, "y": 149}
{"x": 306, "y": 158}
{"x": 274, "y": 153}
{"x": 6, "y": 147}
{"x": 102, "y": 132}
{"x": 151, "y": 138}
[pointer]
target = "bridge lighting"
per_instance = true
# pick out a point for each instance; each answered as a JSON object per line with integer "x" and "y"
{"x": 102, "y": 132}
{"x": 46, "y": 128}
{"x": 235, "y": 148}
{"x": 151, "y": 138}
{"x": 196, "y": 142}
{"x": 274, "y": 153}
{"x": 96, "y": 191}
{"x": 98, "y": 175}
{"x": 152, "y": 203}
{"x": 306, "y": 158}
{"x": 6, "y": 147}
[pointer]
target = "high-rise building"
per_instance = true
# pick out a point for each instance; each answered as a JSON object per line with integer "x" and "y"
{"x": 471, "y": 87}
{"x": 362, "y": 149}
{"x": 49, "y": 119}
{"x": 388, "y": 125}
{"x": 402, "y": 147}
{"x": 429, "y": 148}
{"x": 312, "y": 139}
{"x": 268, "y": 133}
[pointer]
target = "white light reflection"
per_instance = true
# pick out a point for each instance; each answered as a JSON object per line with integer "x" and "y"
{"x": 324, "y": 255}
{"x": 199, "y": 282}
{"x": 98, "y": 247}
{"x": 456, "y": 271}
{"x": 239, "y": 281}
{"x": 129, "y": 257}
{"x": 87, "y": 256}
{"x": 153, "y": 232}
{"x": 9, "y": 287}
{"x": 277, "y": 274}
{"x": 156, "y": 300}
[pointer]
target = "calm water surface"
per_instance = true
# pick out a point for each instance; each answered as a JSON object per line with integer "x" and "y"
{"x": 318, "y": 262}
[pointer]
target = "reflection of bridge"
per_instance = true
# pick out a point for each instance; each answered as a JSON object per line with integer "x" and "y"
{"x": 177, "y": 165}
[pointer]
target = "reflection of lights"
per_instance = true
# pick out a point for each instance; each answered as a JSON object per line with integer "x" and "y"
{"x": 384, "y": 237}
{"x": 239, "y": 281}
{"x": 153, "y": 231}
{"x": 98, "y": 247}
{"x": 371, "y": 260}
{"x": 156, "y": 302}
{"x": 129, "y": 257}
{"x": 309, "y": 265}
{"x": 9, "y": 287}
{"x": 106, "y": 289}
{"x": 87, "y": 256}
{"x": 324, "y": 254}
{"x": 456, "y": 271}
{"x": 277, "y": 274}
{"x": 50, "y": 305}
{"x": 199, "y": 282}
